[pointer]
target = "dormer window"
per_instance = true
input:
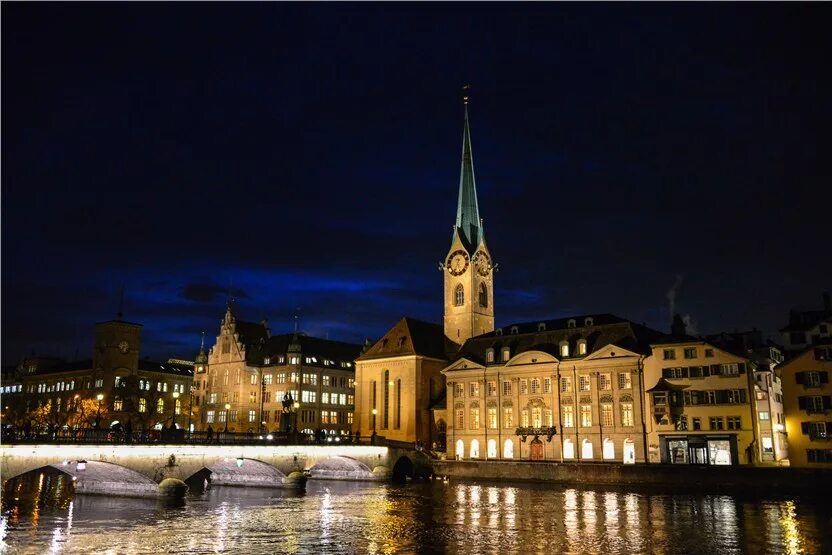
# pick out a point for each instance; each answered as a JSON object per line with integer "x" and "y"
{"x": 541, "y": 326}
{"x": 588, "y": 321}
{"x": 489, "y": 355}
{"x": 498, "y": 331}
{"x": 581, "y": 346}
{"x": 267, "y": 360}
{"x": 570, "y": 323}
{"x": 506, "y": 354}
{"x": 564, "y": 349}
{"x": 514, "y": 330}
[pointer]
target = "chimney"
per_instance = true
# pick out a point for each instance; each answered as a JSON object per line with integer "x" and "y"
{"x": 827, "y": 305}
{"x": 678, "y": 327}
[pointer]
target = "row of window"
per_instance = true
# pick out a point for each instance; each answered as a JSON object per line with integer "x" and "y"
{"x": 539, "y": 417}
{"x": 12, "y": 388}
{"x": 587, "y": 453}
{"x": 817, "y": 430}
{"x": 729, "y": 369}
{"x": 715, "y": 423}
{"x": 305, "y": 396}
{"x": 814, "y": 403}
{"x": 303, "y": 416}
{"x": 295, "y": 359}
{"x": 544, "y": 385}
{"x": 687, "y": 352}
{"x": 459, "y": 295}
{"x": 812, "y": 379}
{"x": 819, "y": 455}
{"x": 700, "y": 397}
{"x": 282, "y": 378}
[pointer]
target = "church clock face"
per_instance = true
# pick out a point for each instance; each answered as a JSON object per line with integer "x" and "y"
{"x": 457, "y": 262}
{"x": 483, "y": 264}
{"x": 124, "y": 347}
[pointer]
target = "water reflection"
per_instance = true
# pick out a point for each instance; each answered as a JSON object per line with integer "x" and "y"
{"x": 39, "y": 515}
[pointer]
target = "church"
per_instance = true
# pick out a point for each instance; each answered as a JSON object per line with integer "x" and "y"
{"x": 549, "y": 390}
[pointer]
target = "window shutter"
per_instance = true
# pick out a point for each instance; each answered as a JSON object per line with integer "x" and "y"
{"x": 798, "y": 377}
{"x": 829, "y": 428}
{"x": 801, "y": 402}
{"x": 741, "y": 367}
{"x": 824, "y": 377}
{"x": 706, "y": 371}
{"x": 666, "y": 373}
{"x": 714, "y": 369}
{"x": 827, "y": 402}
{"x": 804, "y": 427}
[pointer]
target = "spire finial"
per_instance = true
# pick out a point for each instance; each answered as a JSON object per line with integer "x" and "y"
{"x": 465, "y": 93}
{"x": 467, "y": 212}
{"x": 296, "y": 318}
{"x": 202, "y": 343}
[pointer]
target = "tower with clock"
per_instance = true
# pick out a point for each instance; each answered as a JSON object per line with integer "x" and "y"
{"x": 468, "y": 267}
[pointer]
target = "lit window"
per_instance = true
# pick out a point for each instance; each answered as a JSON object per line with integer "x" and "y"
{"x": 568, "y": 416}
{"x": 625, "y": 380}
{"x": 586, "y": 416}
{"x": 606, "y": 414}
{"x": 160, "y": 406}
{"x": 209, "y": 417}
{"x": 604, "y": 382}
{"x": 506, "y": 388}
{"x": 475, "y": 418}
{"x": 626, "y": 414}
{"x": 508, "y": 417}
{"x": 566, "y": 385}
{"x": 583, "y": 383}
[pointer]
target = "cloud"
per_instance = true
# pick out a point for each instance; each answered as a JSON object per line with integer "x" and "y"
{"x": 208, "y": 292}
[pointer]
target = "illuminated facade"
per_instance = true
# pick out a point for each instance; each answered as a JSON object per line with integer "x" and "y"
{"x": 246, "y": 374}
{"x": 807, "y": 400}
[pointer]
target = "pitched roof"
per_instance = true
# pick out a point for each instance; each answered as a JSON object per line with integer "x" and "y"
{"x": 172, "y": 368}
{"x": 411, "y": 337}
{"x": 806, "y": 320}
{"x": 467, "y": 211}
{"x": 310, "y": 346}
{"x": 546, "y": 336}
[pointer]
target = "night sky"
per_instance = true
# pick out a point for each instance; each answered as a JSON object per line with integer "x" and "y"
{"x": 307, "y": 155}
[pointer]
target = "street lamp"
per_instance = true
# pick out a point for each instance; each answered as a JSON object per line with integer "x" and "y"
{"x": 190, "y": 410}
{"x": 375, "y": 412}
{"x": 227, "y": 407}
{"x": 100, "y": 398}
{"x": 175, "y": 407}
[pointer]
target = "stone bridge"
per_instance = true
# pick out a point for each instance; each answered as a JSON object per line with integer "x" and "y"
{"x": 101, "y": 468}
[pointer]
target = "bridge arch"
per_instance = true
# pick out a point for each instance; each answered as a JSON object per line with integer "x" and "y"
{"x": 341, "y": 468}
{"x": 404, "y": 468}
{"x": 239, "y": 471}
{"x": 98, "y": 477}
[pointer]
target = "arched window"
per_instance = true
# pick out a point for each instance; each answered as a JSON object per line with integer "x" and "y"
{"x": 629, "y": 451}
{"x": 586, "y": 449}
{"x": 609, "y": 449}
{"x": 564, "y": 349}
{"x": 459, "y": 295}
{"x": 483, "y": 295}
{"x": 581, "y": 346}
{"x": 568, "y": 449}
{"x": 398, "y": 403}
{"x": 475, "y": 449}
{"x": 385, "y": 416}
{"x": 508, "y": 449}
{"x": 460, "y": 449}
{"x": 492, "y": 449}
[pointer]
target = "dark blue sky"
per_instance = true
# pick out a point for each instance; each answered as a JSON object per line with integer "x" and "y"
{"x": 309, "y": 154}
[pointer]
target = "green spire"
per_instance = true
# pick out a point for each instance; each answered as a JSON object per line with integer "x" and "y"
{"x": 468, "y": 223}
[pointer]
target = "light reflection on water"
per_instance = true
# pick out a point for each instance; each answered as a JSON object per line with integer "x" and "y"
{"x": 39, "y": 516}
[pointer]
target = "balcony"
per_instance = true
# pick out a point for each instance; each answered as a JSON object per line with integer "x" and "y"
{"x": 527, "y": 431}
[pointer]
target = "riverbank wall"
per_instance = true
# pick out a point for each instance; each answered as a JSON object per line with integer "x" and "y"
{"x": 657, "y": 476}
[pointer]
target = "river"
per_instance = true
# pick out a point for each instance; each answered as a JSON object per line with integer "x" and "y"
{"x": 39, "y": 515}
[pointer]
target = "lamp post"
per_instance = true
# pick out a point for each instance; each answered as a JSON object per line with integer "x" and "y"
{"x": 296, "y": 408}
{"x": 175, "y": 408}
{"x": 100, "y": 398}
{"x": 227, "y": 408}
{"x": 190, "y": 410}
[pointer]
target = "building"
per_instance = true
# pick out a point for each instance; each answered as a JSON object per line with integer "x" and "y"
{"x": 124, "y": 387}
{"x": 701, "y": 403}
{"x": 562, "y": 390}
{"x": 242, "y": 381}
{"x": 807, "y": 401}
{"x": 807, "y": 327}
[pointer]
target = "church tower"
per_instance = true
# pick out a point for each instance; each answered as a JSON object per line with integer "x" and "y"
{"x": 468, "y": 269}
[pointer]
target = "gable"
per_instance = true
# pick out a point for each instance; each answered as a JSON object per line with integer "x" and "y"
{"x": 611, "y": 351}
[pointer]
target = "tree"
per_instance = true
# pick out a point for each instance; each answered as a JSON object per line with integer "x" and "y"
{"x": 140, "y": 402}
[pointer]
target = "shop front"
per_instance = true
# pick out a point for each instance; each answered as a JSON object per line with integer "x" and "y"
{"x": 699, "y": 449}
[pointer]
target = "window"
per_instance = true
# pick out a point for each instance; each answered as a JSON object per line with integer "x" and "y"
{"x": 818, "y": 455}
{"x": 324, "y": 417}
{"x": 586, "y": 416}
{"x": 459, "y": 295}
{"x": 232, "y": 416}
{"x": 99, "y": 382}
{"x": 385, "y": 417}
{"x": 547, "y": 385}
{"x": 475, "y": 418}
{"x": 564, "y": 349}
{"x": 483, "y": 295}
{"x": 625, "y": 380}
{"x": 489, "y": 355}
{"x": 492, "y": 418}
{"x": 117, "y": 404}
{"x": 310, "y": 396}
{"x": 734, "y": 423}
{"x": 669, "y": 354}
{"x": 177, "y": 407}
{"x": 209, "y": 417}
{"x": 524, "y": 386}
{"x": 349, "y": 418}
{"x": 458, "y": 388}
{"x": 604, "y": 382}
{"x": 342, "y": 397}
{"x": 716, "y": 423}
{"x": 267, "y": 379}
{"x": 697, "y": 423}
{"x": 324, "y": 397}
{"x": 568, "y": 416}
{"x": 812, "y": 379}
{"x": 709, "y": 353}
{"x": 160, "y": 406}
{"x": 506, "y": 388}
{"x": 142, "y": 405}
{"x": 350, "y": 399}
{"x": 811, "y": 404}
{"x": 492, "y": 389}
{"x": 731, "y": 369}
{"x": 506, "y": 354}
{"x": 583, "y": 383}
{"x": 281, "y": 378}
{"x": 582, "y": 346}
{"x": 524, "y": 418}
{"x": 626, "y": 414}
{"x": 398, "y": 402}
{"x": 326, "y": 380}
{"x": 606, "y": 414}
{"x": 537, "y": 417}
{"x": 475, "y": 389}
{"x": 460, "y": 419}
{"x": 252, "y": 416}
{"x": 535, "y": 385}
{"x": 764, "y": 415}
{"x": 508, "y": 417}
{"x": 690, "y": 352}
{"x": 566, "y": 385}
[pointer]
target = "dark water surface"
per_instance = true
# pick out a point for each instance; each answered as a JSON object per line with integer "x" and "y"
{"x": 39, "y": 515}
